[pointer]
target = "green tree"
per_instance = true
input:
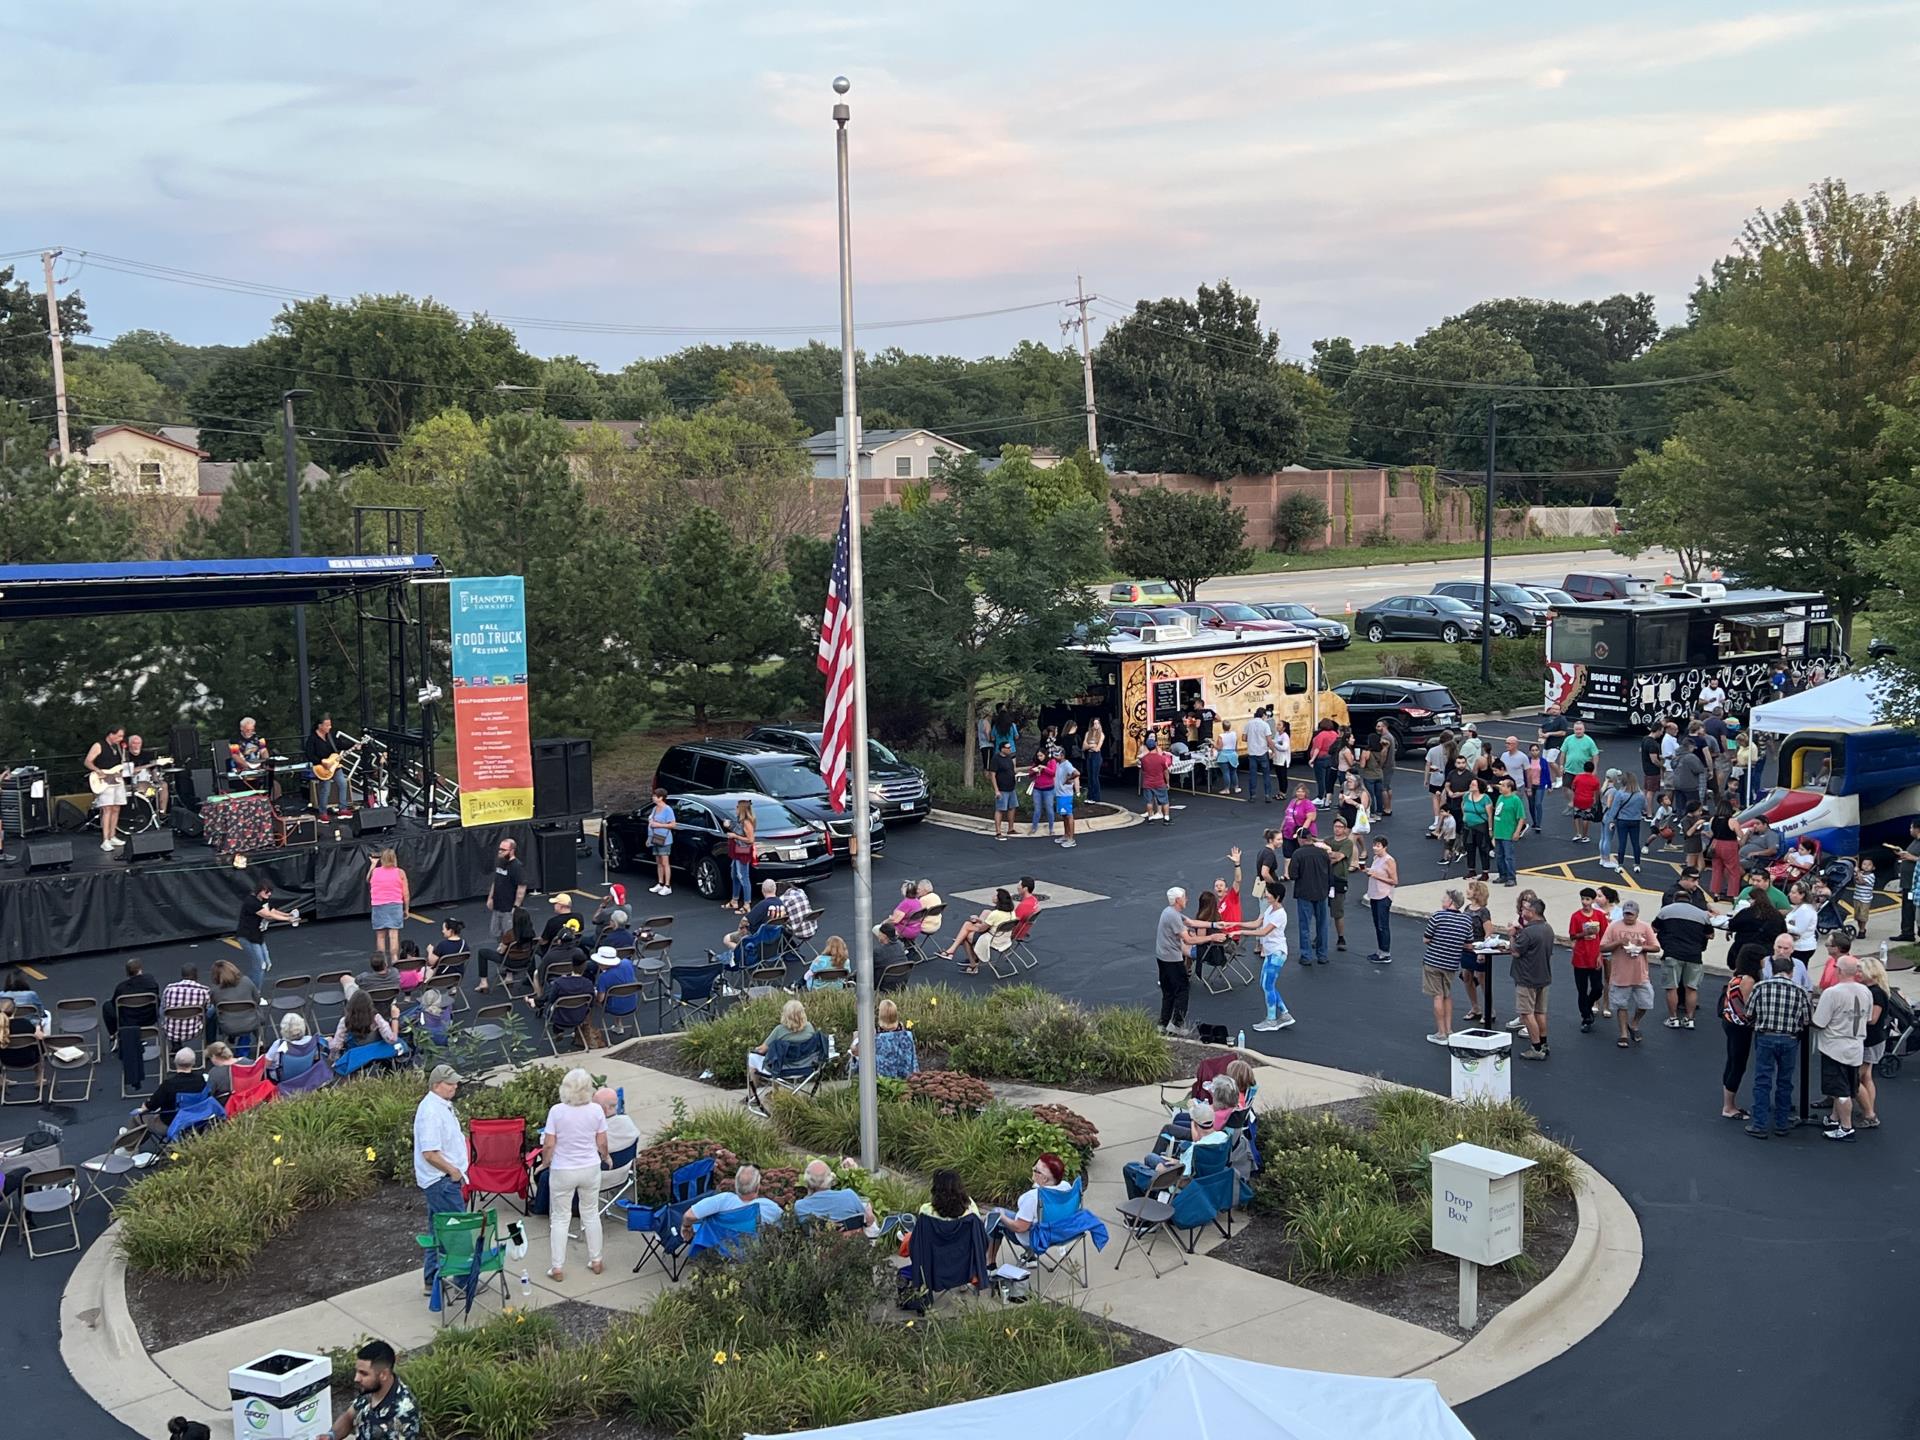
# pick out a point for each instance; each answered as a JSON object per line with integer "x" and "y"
{"x": 635, "y": 393}
{"x": 1892, "y": 558}
{"x": 102, "y": 390}
{"x": 26, "y": 360}
{"x": 1074, "y": 479}
{"x": 1405, "y": 402}
{"x": 714, "y": 613}
{"x": 1667, "y": 498}
{"x": 520, "y": 511}
{"x": 572, "y": 389}
{"x": 1195, "y": 387}
{"x": 426, "y": 470}
{"x": 1180, "y": 537}
{"x": 177, "y": 367}
{"x": 976, "y": 587}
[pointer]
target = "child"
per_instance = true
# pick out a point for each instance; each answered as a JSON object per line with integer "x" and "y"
{"x": 1693, "y": 837}
{"x": 1586, "y": 803}
{"x": 1862, "y": 899}
{"x": 1801, "y": 859}
{"x": 413, "y": 972}
{"x": 1449, "y": 838}
{"x": 1665, "y": 821}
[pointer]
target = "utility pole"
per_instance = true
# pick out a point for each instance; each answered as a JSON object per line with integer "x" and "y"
{"x": 856, "y": 597}
{"x": 1086, "y": 363}
{"x": 47, "y": 257}
{"x": 292, "y": 455}
{"x": 1486, "y": 563}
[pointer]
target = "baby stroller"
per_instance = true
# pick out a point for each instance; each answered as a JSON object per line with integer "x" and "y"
{"x": 1838, "y": 877}
{"x": 1903, "y": 1038}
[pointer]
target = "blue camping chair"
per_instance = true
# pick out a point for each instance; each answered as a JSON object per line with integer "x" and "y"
{"x": 195, "y": 1112}
{"x": 1202, "y": 1198}
{"x": 1058, "y": 1239}
{"x": 694, "y": 992}
{"x": 659, "y": 1225}
{"x": 797, "y": 1066}
{"x": 356, "y": 1058}
{"x": 765, "y": 943}
{"x": 727, "y": 1233}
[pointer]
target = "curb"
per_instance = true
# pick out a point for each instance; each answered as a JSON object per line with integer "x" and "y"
{"x": 1123, "y": 819}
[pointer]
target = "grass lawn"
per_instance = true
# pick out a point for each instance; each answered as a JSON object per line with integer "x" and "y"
{"x": 1267, "y": 562}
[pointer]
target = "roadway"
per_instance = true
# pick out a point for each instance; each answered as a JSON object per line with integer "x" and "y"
{"x": 1330, "y": 590}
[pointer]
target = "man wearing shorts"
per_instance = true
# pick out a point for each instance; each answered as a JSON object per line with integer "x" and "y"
{"x": 1626, "y": 944}
{"x": 1684, "y": 926}
{"x": 1066, "y": 780}
{"x": 1532, "y": 973}
{"x": 1577, "y": 749}
{"x": 1450, "y": 930}
{"x": 1553, "y": 730}
{"x": 1438, "y": 762}
{"x": 1840, "y": 1020}
{"x": 1155, "y": 763}
{"x": 1006, "y": 792}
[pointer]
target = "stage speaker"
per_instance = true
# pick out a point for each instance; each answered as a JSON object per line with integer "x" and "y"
{"x": 562, "y": 778}
{"x": 185, "y": 823}
{"x": 184, "y": 744}
{"x": 149, "y": 845}
{"x": 558, "y": 870}
{"x": 49, "y": 855}
{"x": 374, "y": 819}
{"x": 199, "y": 786}
{"x": 70, "y": 811}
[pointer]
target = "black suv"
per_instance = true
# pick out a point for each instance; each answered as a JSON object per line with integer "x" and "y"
{"x": 900, "y": 788}
{"x": 791, "y": 846}
{"x": 1516, "y": 609}
{"x": 725, "y": 767}
{"x": 1416, "y": 711}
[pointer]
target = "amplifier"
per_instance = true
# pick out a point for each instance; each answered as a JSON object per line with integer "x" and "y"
{"x": 25, "y": 808}
{"x": 298, "y": 829}
{"x": 375, "y": 819}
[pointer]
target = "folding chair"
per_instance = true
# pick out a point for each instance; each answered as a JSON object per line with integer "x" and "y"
{"x": 726, "y": 1233}
{"x": 766, "y": 978}
{"x": 80, "y": 1016}
{"x": 188, "y": 1021}
{"x": 1236, "y": 952}
{"x": 942, "y": 1255}
{"x": 629, "y": 1020}
{"x": 251, "y": 1087}
{"x": 449, "y": 986}
{"x": 450, "y": 977}
{"x": 77, "y": 1072}
{"x": 43, "y": 1195}
{"x": 767, "y": 941}
{"x": 797, "y": 1068}
{"x": 472, "y": 1260}
{"x": 495, "y": 1025}
{"x": 1022, "y": 949}
{"x": 894, "y": 976}
{"x": 195, "y": 1112}
{"x": 1001, "y": 963}
{"x": 516, "y": 963}
{"x": 833, "y": 979}
{"x": 1216, "y": 969}
{"x": 658, "y": 1226}
{"x": 1146, "y": 1220}
{"x": 571, "y": 1017}
{"x": 694, "y": 992}
{"x": 292, "y": 995}
{"x": 1057, "y": 1242}
{"x": 22, "y": 1071}
{"x": 149, "y": 1054}
{"x": 652, "y": 963}
{"x": 496, "y": 1161}
{"x": 1204, "y": 1197}
{"x": 230, "y": 1020}
{"x": 914, "y": 946}
{"x": 616, "y": 1183}
{"x": 327, "y": 1000}
{"x": 657, "y": 923}
{"x": 127, "y": 1154}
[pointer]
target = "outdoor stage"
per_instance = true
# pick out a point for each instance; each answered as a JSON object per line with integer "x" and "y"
{"x": 105, "y": 903}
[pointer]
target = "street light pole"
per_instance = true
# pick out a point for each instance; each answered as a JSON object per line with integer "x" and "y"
{"x": 1486, "y": 563}
{"x": 292, "y": 458}
{"x": 856, "y": 595}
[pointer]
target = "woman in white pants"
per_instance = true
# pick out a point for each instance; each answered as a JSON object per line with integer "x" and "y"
{"x": 574, "y": 1148}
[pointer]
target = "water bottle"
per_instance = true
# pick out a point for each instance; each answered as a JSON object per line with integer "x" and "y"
{"x": 1240, "y": 1040}
{"x": 620, "y": 1100}
{"x": 1883, "y": 954}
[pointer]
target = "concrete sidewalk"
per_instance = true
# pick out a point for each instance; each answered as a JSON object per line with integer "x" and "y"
{"x": 1208, "y": 1303}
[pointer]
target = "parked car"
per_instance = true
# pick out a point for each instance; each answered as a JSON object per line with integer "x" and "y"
{"x": 1142, "y": 592}
{"x": 1131, "y": 620}
{"x": 792, "y": 847}
{"x": 1605, "y": 584}
{"x": 1418, "y": 617}
{"x": 1516, "y": 607}
{"x": 901, "y": 788}
{"x": 733, "y": 767}
{"x": 1333, "y": 635}
{"x": 1551, "y": 597}
{"x": 1416, "y": 711}
{"x": 1232, "y": 615}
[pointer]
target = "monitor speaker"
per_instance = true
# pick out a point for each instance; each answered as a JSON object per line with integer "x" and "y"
{"x": 559, "y": 869}
{"x": 49, "y": 854}
{"x": 562, "y": 778}
{"x": 375, "y": 819}
{"x": 149, "y": 845}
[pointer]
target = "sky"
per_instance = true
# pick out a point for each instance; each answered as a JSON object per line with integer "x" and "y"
{"x": 651, "y": 172}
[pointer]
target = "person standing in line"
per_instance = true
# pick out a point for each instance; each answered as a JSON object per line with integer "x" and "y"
{"x": 1321, "y": 757}
{"x": 1347, "y": 855}
{"x": 388, "y": 899}
{"x": 1577, "y": 749}
{"x": 1226, "y": 754}
{"x": 1093, "y": 747}
{"x": 439, "y": 1156}
{"x": 1383, "y": 878}
{"x": 1046, "y": 763}
{"x": 1509, "y": 824}
{"x": 1873, "y": 975}
{"x": 1684, "y": 925}
{"x": 1282, "y": 754}
{"x": 1155, "y": 767}
{"x": 1470, "y": 746}
{"x": 1724, "y": 846}
{"x": 1780, "y": 1011}
{"x": 1258, "y": 736}
{"x": 661, "y": 823}
{"x": 1532, "y": 973}
{"x": 1389, "y": 751}
{"x": 1737, "y": 1025}
{"x": 1449, "y": 933}
{"x": 1539, "y": 781}
{"x": 1553, "y": 731}
{"x": 1170, "y": 960}
{"x": 1372, "y": 777}
{"x": 1476, "y": 966}
{"x": 1006, "y": 792}
{"x": 1627, "y": 944}
{"x": 1585, "y": 928}
{"x": 1300, "y": 823}
{"x": 1438, "y": 761}
{"x": 1311, "y": 871}
{"x": 1271, "y": 932}
{"x": 573, "y": 1147}
{"x": 1653, "y": 765}
{"x": 1066, "y": 782}
{"x": 1584, "y": 790}
{"x": 1840, "y": 1020}
{"x": 1476, "y": 831}
{"x": 1803, "y": 924}
{"x": 1005, "y": 731}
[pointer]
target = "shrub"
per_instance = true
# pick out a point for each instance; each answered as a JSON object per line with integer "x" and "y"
{"x": 1347, "y": 1234}
{"x": 1081, "y": 1132}
{"x": 802, "y": 1277}
{"x": 1298, "y": 518}
{"x": 654, "y": 1165}
{"x": 732, "y": 1127}
{"x": 949, "y": 1091}
{"x": 1302, "y": 1177}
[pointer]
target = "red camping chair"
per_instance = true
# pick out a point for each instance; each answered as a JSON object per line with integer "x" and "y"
{"x": 251, "y": 1087}
{"x": 496, "y": 1164}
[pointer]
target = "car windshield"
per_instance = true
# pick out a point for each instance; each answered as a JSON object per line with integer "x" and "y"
{"x": 1234, "y": 610}
{"x": 791, "y": 780}
{"x": 1518, "y": 594}
{"x": 1453, "y": 606}
{"x": 771, "y": 815}
{"x": 1175, "y": 618}
{"x": 1291, "y": 612}
{"x": 877, "y": 751}
{"x": 1553, "y": 596}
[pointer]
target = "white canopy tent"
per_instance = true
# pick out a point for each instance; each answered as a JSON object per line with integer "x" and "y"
{"x": 1185, "y": 1393}
{"x": 1845, "y": 702}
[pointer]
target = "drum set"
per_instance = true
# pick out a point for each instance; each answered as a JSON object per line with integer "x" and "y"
{"x": 149, "y": 794}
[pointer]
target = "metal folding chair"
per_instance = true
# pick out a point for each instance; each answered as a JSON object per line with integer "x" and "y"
{"x": 894, "y": 976}
{"x": 616, "y": 1184}
{"x": 69, "y": 1082}
{"x": 1001, "y": 963}
{"x": 1022, "y": 951}
{"x": 293, "y": 995}
{"x": 629, "y": 1021}
{"x": 80, "y": 1016}
{"x": 44, "y": 1195}
{"x": 1146, "y": 1221}
{"x": 573, "y": 1016}
{"x": 496, "y": 1025}
{"x": 23, "y": 1071}
{"x": 149, "y": 1050}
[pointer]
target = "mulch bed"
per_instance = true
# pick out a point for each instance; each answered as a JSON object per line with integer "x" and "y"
{"x": 1428, "y": 1291}
{"x": 324, "y": 1253}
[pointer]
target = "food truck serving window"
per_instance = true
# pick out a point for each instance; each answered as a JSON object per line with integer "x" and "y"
{"x": 1754, "y": 633}
{"x": 1577, "y": 639}
{"x": 1294, "y": 677}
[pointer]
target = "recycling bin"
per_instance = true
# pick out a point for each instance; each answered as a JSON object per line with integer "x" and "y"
{"x": 1482, "y": 1064}
{"x": 282, "y": 1396}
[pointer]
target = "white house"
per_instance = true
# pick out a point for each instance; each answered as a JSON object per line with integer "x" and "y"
{"x": 131, "y": 461}
{"x": 884, "y": 454}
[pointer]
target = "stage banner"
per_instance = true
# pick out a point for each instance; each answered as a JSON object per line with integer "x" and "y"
{"x": 489, "y": 628}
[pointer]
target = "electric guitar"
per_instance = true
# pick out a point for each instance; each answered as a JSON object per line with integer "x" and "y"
{"x": 323, "y": 770}
{"x": 104, "y": 780}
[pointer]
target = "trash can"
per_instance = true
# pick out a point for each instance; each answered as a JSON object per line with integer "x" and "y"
{"x": 282, "y": 1396}
{"x": 1481, "y": 1064}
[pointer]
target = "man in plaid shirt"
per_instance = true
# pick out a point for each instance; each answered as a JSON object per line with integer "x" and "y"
{"x": 797, "y": 912}
{"x": 1779, "y": 1012}
{"x": 184, "y": 993}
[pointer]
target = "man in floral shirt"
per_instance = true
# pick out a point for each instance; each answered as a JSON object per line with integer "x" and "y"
{"x": 383, "y": 1407}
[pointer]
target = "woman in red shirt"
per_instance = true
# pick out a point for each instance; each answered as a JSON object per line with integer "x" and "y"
{"x": 1585, "y": 928}
{"x": 1586, "y": 799}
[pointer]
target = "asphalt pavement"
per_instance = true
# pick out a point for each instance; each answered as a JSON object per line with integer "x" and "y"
{"x": 1735, "y": 1230}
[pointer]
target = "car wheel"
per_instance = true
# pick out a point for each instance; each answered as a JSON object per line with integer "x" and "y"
{"x": 1450, "y": 634}
{"x": 1376, "y": 632}
{"x": 708, "y": 878}
{"x": 611, "y": 848}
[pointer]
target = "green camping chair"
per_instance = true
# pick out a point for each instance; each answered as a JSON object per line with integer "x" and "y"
{"x": 472, "y": 1261}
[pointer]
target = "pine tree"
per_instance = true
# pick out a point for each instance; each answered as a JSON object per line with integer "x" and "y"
{"x": 716, "y": 613}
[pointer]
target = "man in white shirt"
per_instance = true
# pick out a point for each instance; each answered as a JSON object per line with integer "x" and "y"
{"x": 621, "y": 1131}
{"x": 439, "y": 1156}
{"x": 1258, "y": 735}
{"x": 1840, "y": 1028}
{"x": 1713, "y": 700}
{"x": 746, "y": 1191}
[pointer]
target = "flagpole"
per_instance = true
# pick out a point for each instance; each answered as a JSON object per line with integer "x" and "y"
{"x": 856, "y": 591}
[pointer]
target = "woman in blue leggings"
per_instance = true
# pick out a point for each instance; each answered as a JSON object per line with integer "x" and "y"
{"x": 1272, "y": 935}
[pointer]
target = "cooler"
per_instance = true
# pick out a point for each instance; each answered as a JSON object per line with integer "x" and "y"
{"x": 282, "y": 1396}
{"x": 1482, "y": 1062}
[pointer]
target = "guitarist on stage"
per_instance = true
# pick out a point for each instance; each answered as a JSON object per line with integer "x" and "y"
{"x": 106, "y": 768}
{"x": 323, "y": 751}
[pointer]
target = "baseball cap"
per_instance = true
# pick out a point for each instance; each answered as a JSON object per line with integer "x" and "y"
{"x": 1629, "y": 907}
{"x": 1692, "y": 870}
{"x": 1153, "y": 741}
{"x": 444, "y": 1075}
{"x": 562, "y": 898}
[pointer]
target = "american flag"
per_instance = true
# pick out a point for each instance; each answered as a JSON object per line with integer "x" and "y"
{"x": 836, "y": 663}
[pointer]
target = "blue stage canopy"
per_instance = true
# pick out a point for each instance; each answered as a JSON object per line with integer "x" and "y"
{"x": 46, "y": 592}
